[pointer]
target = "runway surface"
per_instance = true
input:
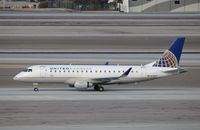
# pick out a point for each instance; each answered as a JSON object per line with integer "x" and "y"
{"x": 116, "y": 108}
{"x": 118, "y": 94}
{"x": 34, "y": 18}
{"x": 89, "y": 15}
{"x": 96, "y": 32}
{"x": 95, "y": 39}
{"x": 187, "y": 59}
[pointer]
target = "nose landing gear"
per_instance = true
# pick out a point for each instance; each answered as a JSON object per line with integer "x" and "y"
{"x": 35, "y": 87}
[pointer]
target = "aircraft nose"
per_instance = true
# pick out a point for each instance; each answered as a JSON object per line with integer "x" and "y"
{"x": 15, "y": 78}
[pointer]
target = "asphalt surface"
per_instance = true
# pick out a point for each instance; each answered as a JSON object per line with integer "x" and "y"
{"x": 53, "y": 18}
{"x": 99, "y": 22}
{"x": 187, "y": 59}
{"x": 115, "y": 108}
{"x": 95, "y": 38}
{"x": 101, "y": 15}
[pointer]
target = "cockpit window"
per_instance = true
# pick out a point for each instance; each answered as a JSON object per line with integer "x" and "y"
{"x": 27, "y": 70}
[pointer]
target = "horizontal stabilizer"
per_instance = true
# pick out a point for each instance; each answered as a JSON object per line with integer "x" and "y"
{"x": 179, "y": 70}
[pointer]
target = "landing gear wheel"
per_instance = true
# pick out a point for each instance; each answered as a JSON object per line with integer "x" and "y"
{"x": 96, "y": 88}
{"x": 35, "y": 89}
{"x": 101, "y": 89}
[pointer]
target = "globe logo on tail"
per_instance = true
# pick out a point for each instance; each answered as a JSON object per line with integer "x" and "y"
{"x": 167, "y": 60}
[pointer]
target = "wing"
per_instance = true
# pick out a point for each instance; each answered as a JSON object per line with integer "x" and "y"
{"x": 108, "y": 79}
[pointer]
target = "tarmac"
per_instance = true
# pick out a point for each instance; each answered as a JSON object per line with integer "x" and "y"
{"x": 116, "y": 108}
{"x": 96, "y": 38}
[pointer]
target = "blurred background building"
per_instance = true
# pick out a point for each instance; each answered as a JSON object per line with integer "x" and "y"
{"x": 162, "y": 6}
{"x": 79, "y": 4}
{"x": 146, "y": 6}
{"x": 19, "y": 4}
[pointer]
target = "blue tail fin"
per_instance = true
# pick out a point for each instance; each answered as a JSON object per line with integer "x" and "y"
{"x": 171, "y": 57}
{"x": 177, "y": 47}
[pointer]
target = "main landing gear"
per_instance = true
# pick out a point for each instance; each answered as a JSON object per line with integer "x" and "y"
{"x": 35, "y": 87}
{"x": 98, "y": 88}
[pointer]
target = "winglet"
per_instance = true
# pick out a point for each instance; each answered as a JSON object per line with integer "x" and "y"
{"x": 126, "y": 73}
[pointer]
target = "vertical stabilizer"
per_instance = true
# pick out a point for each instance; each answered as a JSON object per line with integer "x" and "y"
{"x": 171, "y": 57}
{"x": 177, "y": 47}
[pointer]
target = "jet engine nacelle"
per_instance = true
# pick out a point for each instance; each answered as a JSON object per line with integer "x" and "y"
{"x": 82, "y": 84}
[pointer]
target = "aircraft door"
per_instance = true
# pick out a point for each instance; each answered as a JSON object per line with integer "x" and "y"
{"x": 42, "y": 71}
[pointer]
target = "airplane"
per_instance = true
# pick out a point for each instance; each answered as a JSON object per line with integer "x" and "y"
{"x": 83, "y": 77}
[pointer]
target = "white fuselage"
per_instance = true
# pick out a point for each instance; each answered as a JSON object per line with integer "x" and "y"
{"x": 69, "y": 74}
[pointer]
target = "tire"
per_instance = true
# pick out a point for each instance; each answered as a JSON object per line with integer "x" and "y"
{"x": 101, "y": 89}
{"x": 35, "y": 89}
